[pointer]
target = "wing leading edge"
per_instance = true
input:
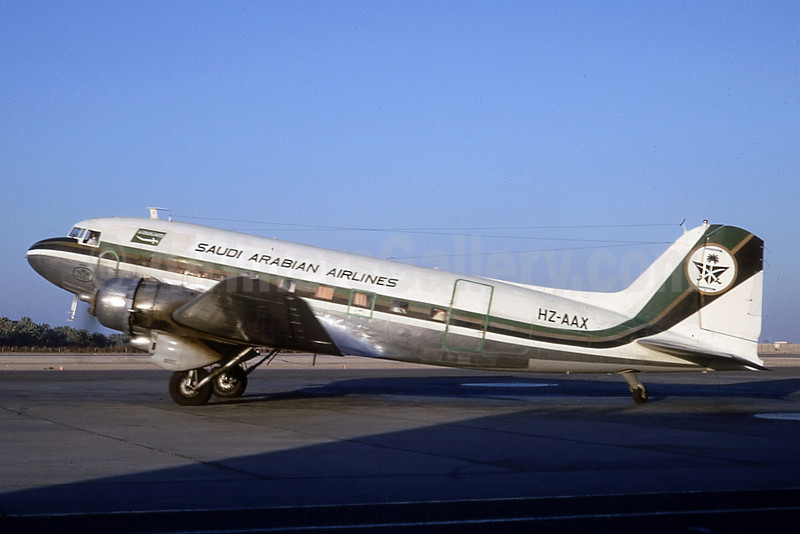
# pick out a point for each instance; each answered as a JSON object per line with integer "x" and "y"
{"x": 254, "y": 312}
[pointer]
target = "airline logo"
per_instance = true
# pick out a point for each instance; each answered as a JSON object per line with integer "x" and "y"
{"x": 148, "y": 237}
{"x": 82, "y": 274}
{"x": 711, "y": 269}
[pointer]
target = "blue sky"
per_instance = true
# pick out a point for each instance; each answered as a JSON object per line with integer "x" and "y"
{"x": 472, "y": 136}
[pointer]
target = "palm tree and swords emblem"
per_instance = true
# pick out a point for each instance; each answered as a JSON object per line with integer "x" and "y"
{"x": 714, "y": 269}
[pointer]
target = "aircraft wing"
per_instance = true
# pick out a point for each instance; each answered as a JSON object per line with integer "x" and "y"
{"x": 253, "y": 312}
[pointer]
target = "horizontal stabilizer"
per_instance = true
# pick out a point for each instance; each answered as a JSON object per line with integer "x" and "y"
{"x": 716, "y": 360}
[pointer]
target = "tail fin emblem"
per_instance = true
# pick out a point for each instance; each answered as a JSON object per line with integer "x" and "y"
{"x": 711, "y": 269}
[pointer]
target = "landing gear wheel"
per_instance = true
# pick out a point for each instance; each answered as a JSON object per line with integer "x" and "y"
{"x": 231, "y": 384}
{"x": 640, "y": 394}
{"x": 638, "y": 390}
{"x": 182, "y": 387}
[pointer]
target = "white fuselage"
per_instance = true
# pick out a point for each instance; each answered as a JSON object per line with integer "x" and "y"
{"x": 385, "y": 309}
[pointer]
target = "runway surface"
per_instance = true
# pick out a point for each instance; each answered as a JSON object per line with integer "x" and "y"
{"x": 346, "y": 445}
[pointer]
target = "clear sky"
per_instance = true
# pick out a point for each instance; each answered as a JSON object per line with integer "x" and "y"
{"x": 464, "y": 135}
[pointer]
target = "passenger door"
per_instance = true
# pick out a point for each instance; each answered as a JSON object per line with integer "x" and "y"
{"x": 468, "y": 316}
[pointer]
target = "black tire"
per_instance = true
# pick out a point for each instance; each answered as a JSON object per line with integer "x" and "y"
{"x": 182, "y": 391}
{"x": 640, "y": 394}
{"x": 231, "y": 384}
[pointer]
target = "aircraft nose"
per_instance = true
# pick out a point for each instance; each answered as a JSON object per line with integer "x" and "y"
{"x": 51, "y": 259}
{"x": 40, "y": 258}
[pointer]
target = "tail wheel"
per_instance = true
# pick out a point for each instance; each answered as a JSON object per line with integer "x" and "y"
{"x": 640, "y": 394}
{"x": 183, "y": 390}
{"x": 231, "y": 384}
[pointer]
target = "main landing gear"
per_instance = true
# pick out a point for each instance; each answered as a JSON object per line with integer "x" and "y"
{"x": 231, "y": 384}
{"x": 638, "y": 390}
{"x": 190, "y": 388}
{"x": 194, "y": 387}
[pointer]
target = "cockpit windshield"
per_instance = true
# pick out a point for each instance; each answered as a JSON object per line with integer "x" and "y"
{"x": 85, "y": 236}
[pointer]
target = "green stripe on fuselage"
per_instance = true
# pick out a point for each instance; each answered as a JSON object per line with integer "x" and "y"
{"x": 675, "y": 300}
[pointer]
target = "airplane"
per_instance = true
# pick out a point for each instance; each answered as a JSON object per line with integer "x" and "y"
{"x": 203, "y": 302}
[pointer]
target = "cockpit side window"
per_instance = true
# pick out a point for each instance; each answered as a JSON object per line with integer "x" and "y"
{"x": 85, "y": 236}
{"x": 92, "y": 237}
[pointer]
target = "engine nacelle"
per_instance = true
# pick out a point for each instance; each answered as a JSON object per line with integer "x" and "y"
{"x": 142, "y": 308}
{"x": 131, "y": 305}
{"x": 177, "y": 353}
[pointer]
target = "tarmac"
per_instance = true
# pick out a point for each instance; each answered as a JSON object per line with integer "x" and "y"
{"x": 93, "y": 443}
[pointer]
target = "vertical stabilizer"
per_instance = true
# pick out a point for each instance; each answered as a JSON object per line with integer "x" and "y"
{"x": 710, "y": 304}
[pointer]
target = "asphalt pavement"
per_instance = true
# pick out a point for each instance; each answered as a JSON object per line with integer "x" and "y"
{"x": 347, "y": 444}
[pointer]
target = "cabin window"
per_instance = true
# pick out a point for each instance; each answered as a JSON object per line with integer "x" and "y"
{"x": 438, "y": 314}
{"x": 361, "y": 304}
{"x": 361, "y": 300}
{"x": 324, "y": 293}
{"x": 288, "y": 285}
{"x": 400, "y": 307}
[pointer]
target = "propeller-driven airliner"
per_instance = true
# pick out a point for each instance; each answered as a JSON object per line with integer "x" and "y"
{"x": 205, "y": 302}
